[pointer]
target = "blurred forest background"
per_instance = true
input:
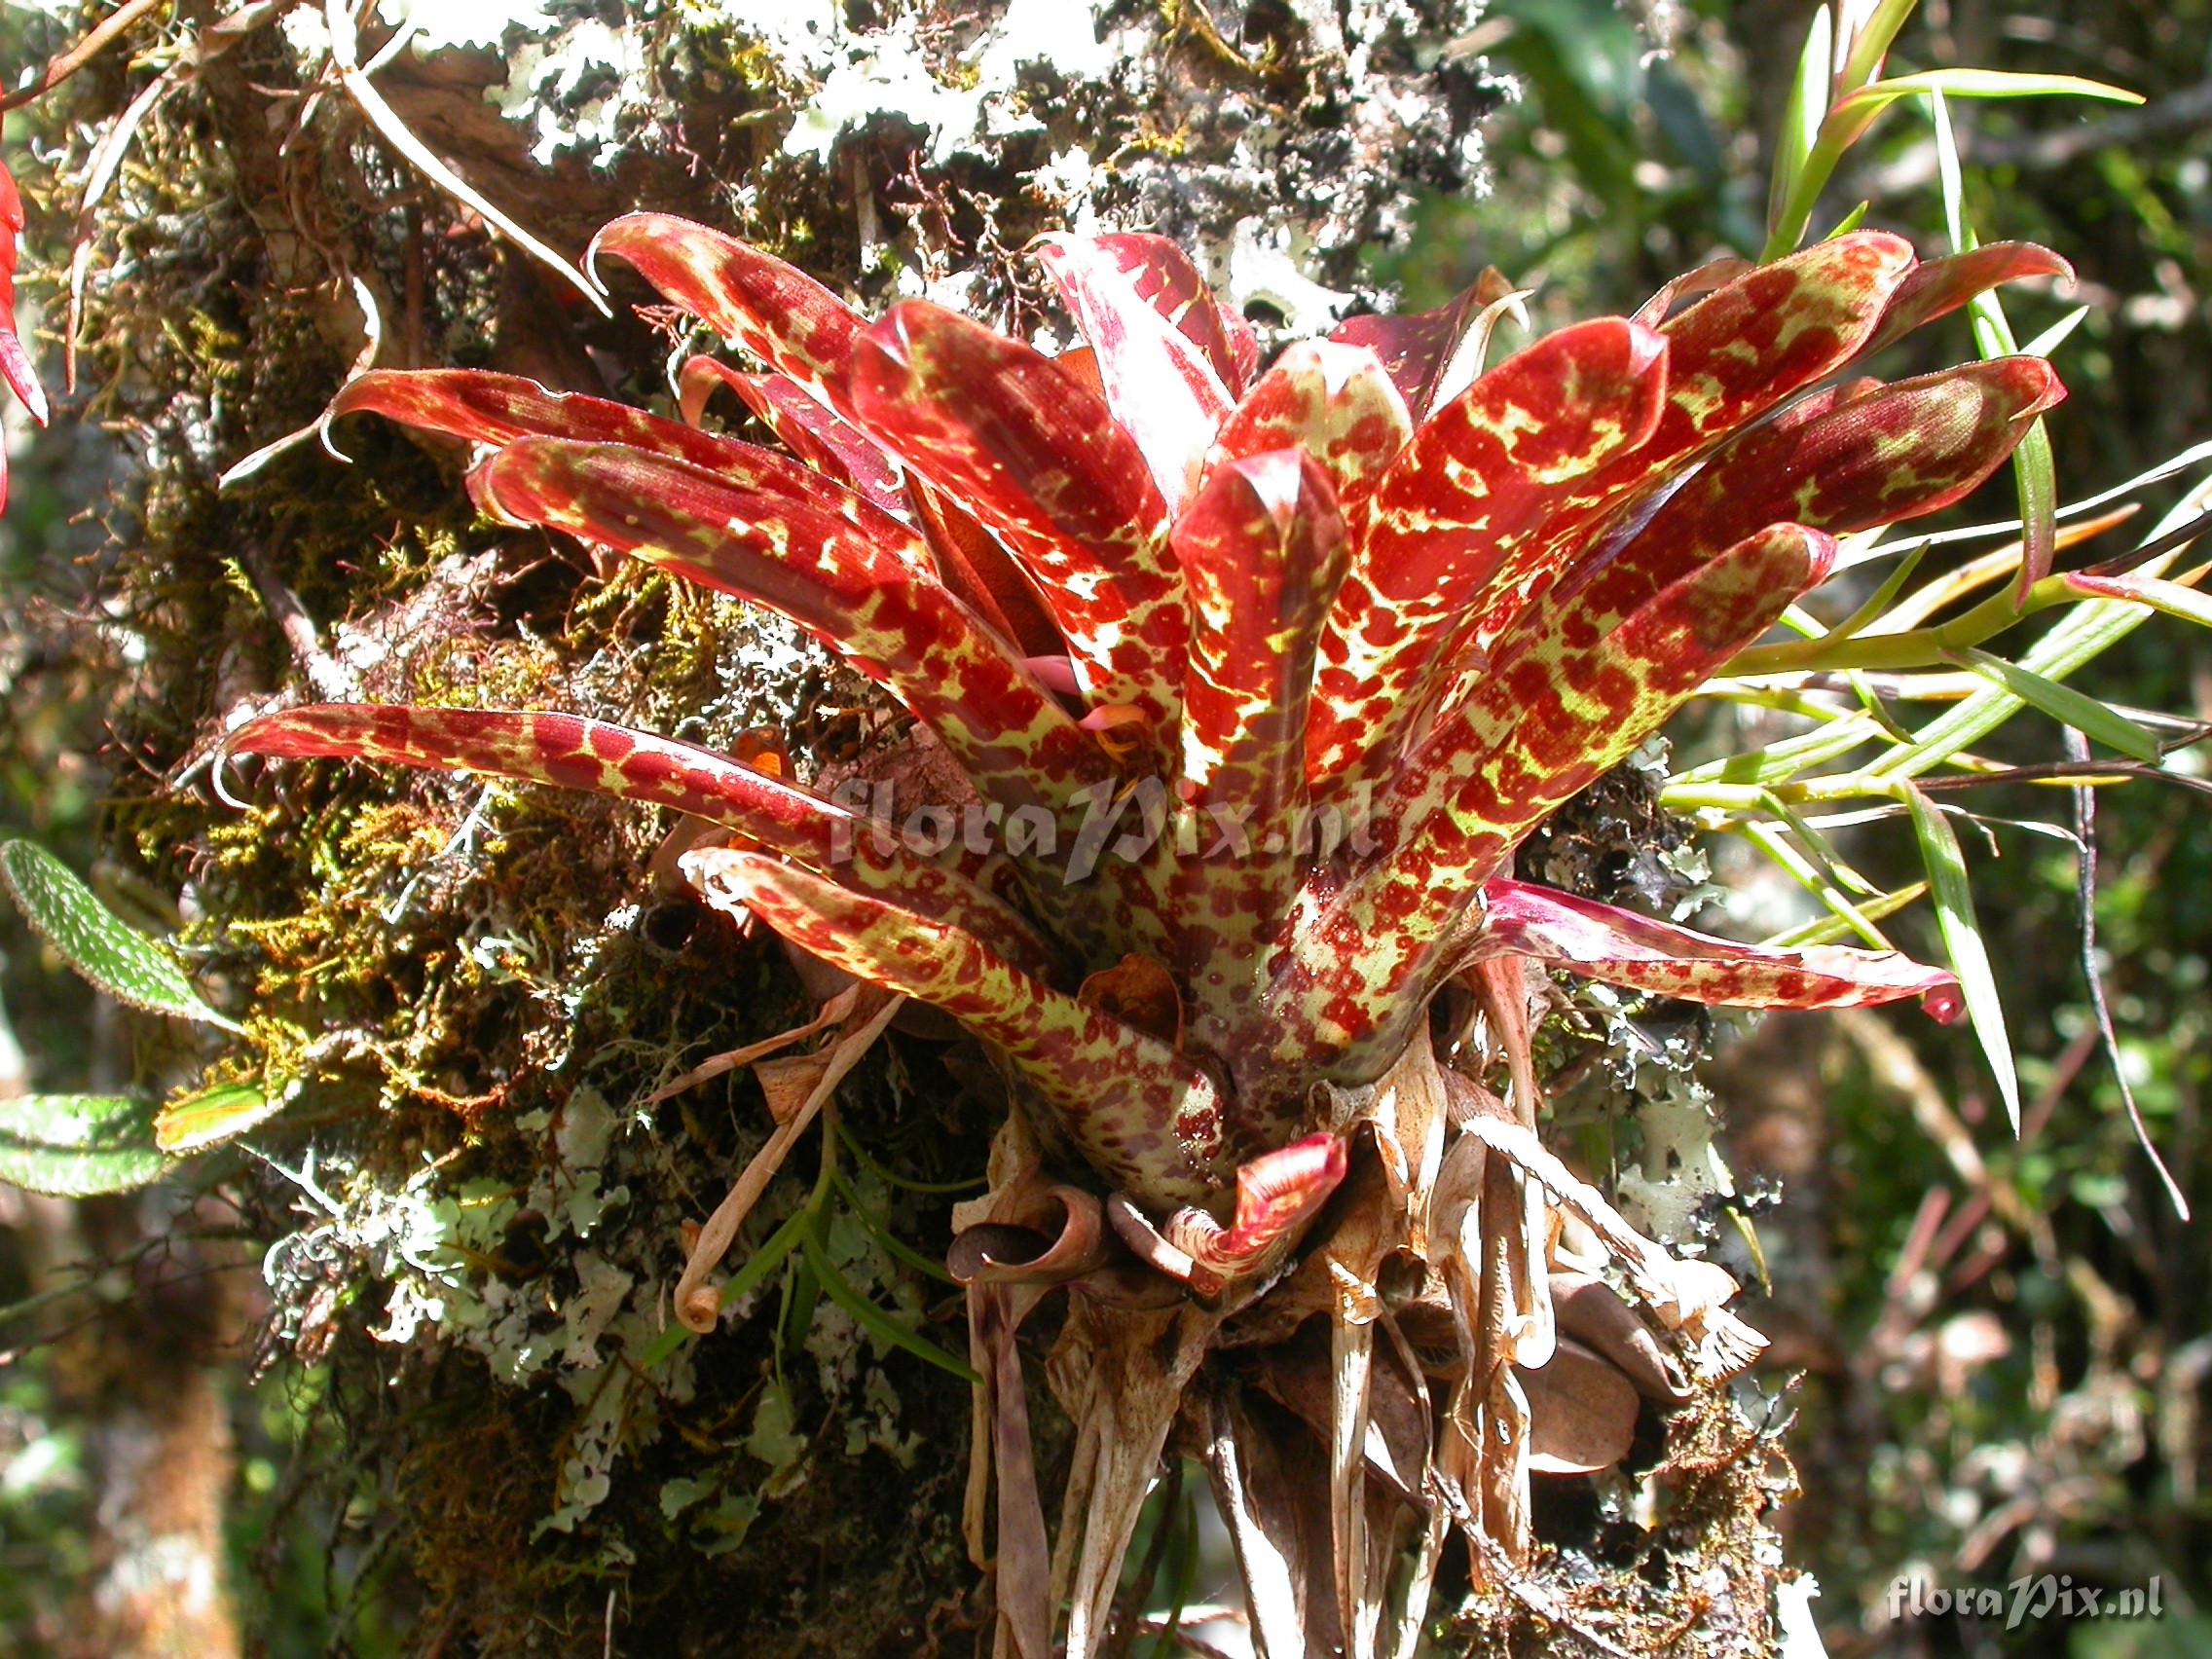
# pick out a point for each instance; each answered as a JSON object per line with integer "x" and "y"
{"x": 2004, "y": 1349}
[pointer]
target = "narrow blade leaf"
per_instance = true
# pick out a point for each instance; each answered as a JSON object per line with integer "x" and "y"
{"x": 1159, "y": 383}
{"x": 1333, "y": 400}
{"x": 1737, "y": 354}
{"x": 860, "y": 586}
{"x": 1892, "y": 454}
{"x": 1164, "y": 279}
{"x": 1417, "y": 348}
{"x": 811, "y": 430}
{"x": 570, "y": 753}
{"x": 2064, "y": 704}
{"x": 1962, "y": 941}
{"x": 1572, "y": 705}
{"x": 1480, "y": 480}
{"x": 1033, "y": 453}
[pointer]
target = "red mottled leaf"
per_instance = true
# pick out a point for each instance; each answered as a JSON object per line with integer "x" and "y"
{"x": 776, "y": 311}
{"x": 15, "y": 366}
{"x": 1942, "y": 285}
{"x": 1582, "y": 692}
{"x": 1145, "y": 1117}
{"x": 1836, "y": 463}
{"x": 1161, "y": 388}
{"x": 1036, "y": 457}
{"x": 1479, "y": 478}
{"x": 1243, "y": 350}
{"x": 1734, "y": 355}
{"x": 499, "y": 409}
{"x": 1166, "y": 280}
{"x": 1262, "y": 551}
{"x": 1277, "y": 1194}
{"x": 606, "y": 759}
{"x": 1622, "y": 948}
{"x": 1417, "y": 348}
{"x": 1335, "y": 401}
{"x": 1570, "y": 706}
{"x": 809, "y": 430}
{"x": 859, "y": 585}
{"x": 972, "y": 565}
{"x": 1701, "y": 279}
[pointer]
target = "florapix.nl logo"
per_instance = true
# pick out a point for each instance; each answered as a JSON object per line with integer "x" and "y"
{"x": 1120, "y": 821}
{"x": 2031, "y": 1598}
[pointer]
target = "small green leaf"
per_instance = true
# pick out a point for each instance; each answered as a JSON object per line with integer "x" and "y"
{"x": 208, "y": 1116}
{"x": 880, "y": 1232}
{"x": 1801, "y": 116}
{"x": 2153, "y": 594}
{"x": 681, "y": 1494}
{"x": 1946, "y": 867}
{"x": 775, "y": 1438}
{"x": 1879, "y": 601}
{"x": 2064, "y": 704}
{"x": 876, "y": 1321}
{"x": 94, "y": 940}
{"x": 1778, "y": 761}
{"x": 1829, "y": 929}
{"x": 1982, "y": 84}
{"x": 2056, "y": 336}
{"x": 1864, "y": 52}
{"x": 1850, "y": 222}
{"x": 1808, "y": 873}
{"x": 1850, "y": 116}
{"x": 2081, "y": 634}
{"x": 77, "y": 1145}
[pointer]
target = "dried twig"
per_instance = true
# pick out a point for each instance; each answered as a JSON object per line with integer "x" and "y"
{"x": 63, "y": 64}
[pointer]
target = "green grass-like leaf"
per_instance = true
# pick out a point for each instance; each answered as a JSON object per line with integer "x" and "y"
{"x": 1982, "y": 84}
{"x": 1830, "y": 930}
{"x": 873, "y": 1319}
{"x": 2082, "y": 633}
{"x": 1847, "y": 120}
{"x": 1877, "y": 31}
{"x": 1801, "y": 116}
{"x": 2034, "y": 468}
{"x": 94, "y": 940}
{"x": 1946, "y": 867}
{"x": 2064, "y": 704}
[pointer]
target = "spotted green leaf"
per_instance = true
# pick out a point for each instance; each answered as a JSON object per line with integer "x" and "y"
{"x": 77, "y": 1145}
{"x": 101, "y": 945}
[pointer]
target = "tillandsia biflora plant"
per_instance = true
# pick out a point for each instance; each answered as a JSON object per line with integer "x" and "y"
{"x": 1235, "y": 690}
